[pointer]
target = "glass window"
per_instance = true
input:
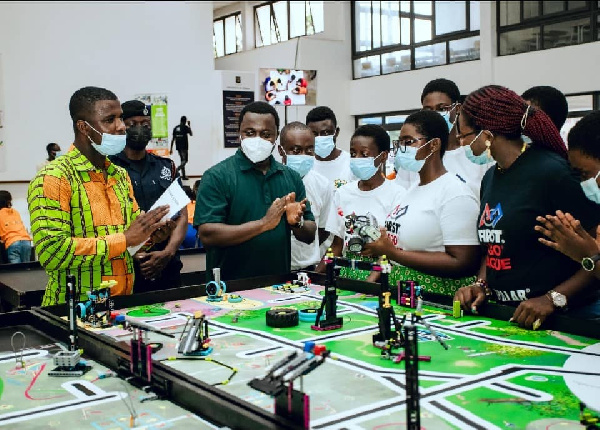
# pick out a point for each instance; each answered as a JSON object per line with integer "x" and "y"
{"x": 513, "y": 42}
{"x": 580, "y": 103}
{"x": 552, "y": 7}
{"x": 509, "y": 12}
{"x": 280, "y": 22}
{"x": 397, "y": 31}
{"x": 219, "y": 38}
{"x": 263, "y": 22}
{"x": 377, "y": 120}
{"x": 397, "y": 61}
{"x": 450, "y": 17}
{"x": 367, "y": 66}
{"x": 567, "y": 33}
{"x": 297, "y": 18}
{"x": 531, "y": 9}
{"x": 423, "y": 7}
{"x": 422, "y": 30}
{"x": 376, "y": 24}
{"x": 464, "y": 49}
{"x": 430, "y": 55}
{"x": 363, "y": 25}
{"x": 572, "y": 5}
{"x": 475, "y": 15}
{"x": 239, "y": 34}
{"x": 230, "y": 45}
{"x": 390, "y": 23}
{"x": 395, "y": 119}
{"x": 315, "y": 11}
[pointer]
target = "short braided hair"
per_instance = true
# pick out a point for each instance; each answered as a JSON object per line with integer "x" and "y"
{"x": 504, "y": 112}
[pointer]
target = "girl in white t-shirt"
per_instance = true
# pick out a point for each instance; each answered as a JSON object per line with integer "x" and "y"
{"x": 371, "y": 194}
{"x": 432, "y": 233}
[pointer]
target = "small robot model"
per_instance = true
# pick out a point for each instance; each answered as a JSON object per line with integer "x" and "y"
{"x": 363, "y": 229}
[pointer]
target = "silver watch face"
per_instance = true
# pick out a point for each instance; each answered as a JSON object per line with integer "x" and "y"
{"x": 588, "y": 264}
{"x": 559, "y": 299}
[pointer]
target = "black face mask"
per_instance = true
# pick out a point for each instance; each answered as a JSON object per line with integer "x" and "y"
{"x": 138, "y": 137}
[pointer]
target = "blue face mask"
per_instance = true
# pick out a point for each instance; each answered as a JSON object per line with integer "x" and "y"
{"x": 324, "y": 145}
{"x": 446, "y": 116}
{"x": 111, "y": 144}
{"x": 364, "y": 168}
{"x": 58, "y": 154}
{"x": 407, "y": 160}
{"x": 591, "y": 189}
{"x": 480, "y": 159}
{"x": 300, "y": 163}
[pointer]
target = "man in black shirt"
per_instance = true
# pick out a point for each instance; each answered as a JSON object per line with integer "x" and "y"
{"x": 180, "y": 138}
{"x": 159, "y": 267}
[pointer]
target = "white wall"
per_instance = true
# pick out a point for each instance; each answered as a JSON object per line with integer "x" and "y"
{"x": 327, "y": 52}
{"x": 49, "y": 50}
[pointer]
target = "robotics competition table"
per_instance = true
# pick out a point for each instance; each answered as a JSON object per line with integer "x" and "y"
{"x": 494, "y": 375}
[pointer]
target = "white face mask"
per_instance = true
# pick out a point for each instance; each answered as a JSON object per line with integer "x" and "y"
{"x": 256, "y": 148}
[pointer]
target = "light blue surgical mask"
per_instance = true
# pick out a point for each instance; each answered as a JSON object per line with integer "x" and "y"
{"x": 591, "y": 190}
{"x": 300, "y": 163}
{"x": 324, "y": 145}
{"x": 111, "y": 144}
{"x": 480, "y": 159}
{"x": 364, "y": 168}
{"x": 58, "y": 154}
{"x": 446, "y": 116}
{"x": 407, "y": 160}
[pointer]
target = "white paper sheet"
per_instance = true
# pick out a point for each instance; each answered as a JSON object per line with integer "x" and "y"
{"x": 176, "y": 198}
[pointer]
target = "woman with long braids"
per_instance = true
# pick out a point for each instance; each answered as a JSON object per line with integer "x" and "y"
{"x": 528, "y": 181}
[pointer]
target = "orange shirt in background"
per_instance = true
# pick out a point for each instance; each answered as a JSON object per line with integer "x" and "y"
{"x": 191, "y": 208}
{"x": 12, "y": 228}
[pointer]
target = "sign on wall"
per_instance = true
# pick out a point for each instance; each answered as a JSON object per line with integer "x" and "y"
{"x": 159, "y": 144}
{"x": 238, "y": 91}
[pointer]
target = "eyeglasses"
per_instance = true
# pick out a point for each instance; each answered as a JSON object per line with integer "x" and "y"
{"x": 446, "y": 108}
{"x": 462, "y": 136}
{"x": 402, "y": 144}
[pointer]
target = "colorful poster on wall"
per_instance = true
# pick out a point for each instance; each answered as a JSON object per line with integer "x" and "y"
{"x": 158, "y": 105}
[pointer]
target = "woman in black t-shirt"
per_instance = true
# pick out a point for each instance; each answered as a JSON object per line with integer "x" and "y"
{"x": 526, "y": 182}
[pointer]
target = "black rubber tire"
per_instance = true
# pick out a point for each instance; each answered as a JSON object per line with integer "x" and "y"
{"x": 282, "y": 317}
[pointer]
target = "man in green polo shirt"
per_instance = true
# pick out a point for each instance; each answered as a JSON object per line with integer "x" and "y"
{"x": 242, "y": 200}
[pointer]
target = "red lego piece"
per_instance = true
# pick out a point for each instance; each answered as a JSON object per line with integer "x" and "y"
{"x": 319, "y": 349}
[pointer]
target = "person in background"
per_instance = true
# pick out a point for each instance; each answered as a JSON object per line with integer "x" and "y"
{"x": 180, "y": 139}
{"x": 528, "y": 180}
{"x": 563, "y": 232}
{"x": 157, "y": 267}
{"x": 242, "y": 201}
{"x": 431, "y": 234}
{"x": 330, "y": 161}
{"x": 371, "y": 194}
{"x": 551, "y": 101}
{"x": 191, "y": 234}
{"x": 83, "y": 211}
{"x": 443, "y": 96}
{"x": 297, "y": 144}
{"x": 53, "y": 150}
{"x": 13, "y": 233}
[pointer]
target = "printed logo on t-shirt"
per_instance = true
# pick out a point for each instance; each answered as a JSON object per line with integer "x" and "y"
{"x": 337, "y": 183}
{"x": 392, "y": 222}
{"x": 493, "y": 238}
{"x": 165, "y": 173}
{"x": 490, "y": 217}
{"x": 512, "y": 295}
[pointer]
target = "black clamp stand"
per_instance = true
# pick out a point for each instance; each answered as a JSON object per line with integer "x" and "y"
{"x": 329, "y": 302}
{"x": 385, "y": 311}
{"x": 279, "y": 382}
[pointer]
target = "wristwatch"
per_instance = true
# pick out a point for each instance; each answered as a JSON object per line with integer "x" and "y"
{"x": 558, "y": 299}
{"x": 300, "y": 223}
{"x": 589, "y": 263}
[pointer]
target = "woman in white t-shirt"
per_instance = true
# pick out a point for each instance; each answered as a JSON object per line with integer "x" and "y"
{"x": 371, "y": 194}
{"x": 432, "y": 233}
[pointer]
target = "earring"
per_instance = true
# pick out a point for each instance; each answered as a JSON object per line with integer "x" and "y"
{"x": 488, "y": 144}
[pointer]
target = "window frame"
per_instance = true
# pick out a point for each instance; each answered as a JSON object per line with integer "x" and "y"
{"x": 237, "y": 15}
{"x": 591, "y": 11}
{"x": 258, "y": 33}
{"x": 446, "y": 38}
